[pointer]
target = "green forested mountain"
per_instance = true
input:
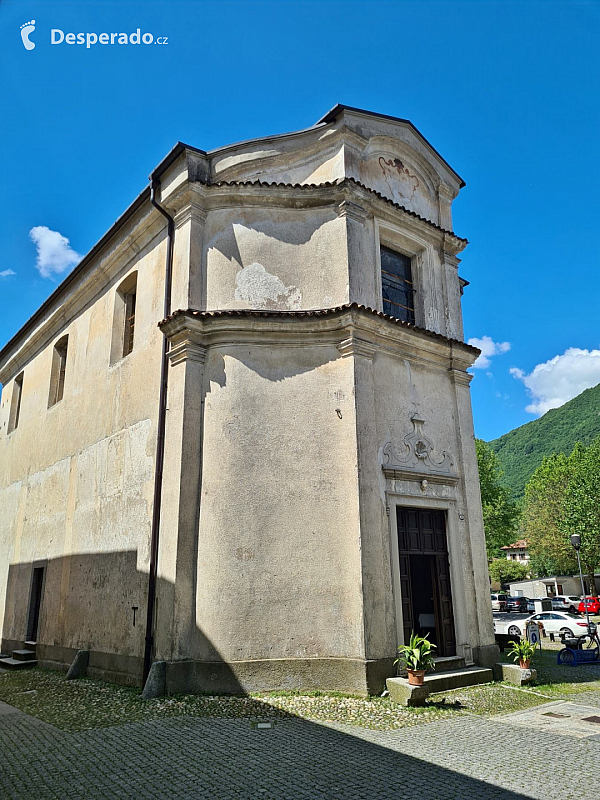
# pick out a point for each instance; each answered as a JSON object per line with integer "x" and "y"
{"x": 521, "y": 451}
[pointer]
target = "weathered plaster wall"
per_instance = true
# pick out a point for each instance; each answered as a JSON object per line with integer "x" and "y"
{"x": 407, "y": 387}
{"x": 278, "y": 548}
{"x": 76, "y": 478}
{"x": 285, "y": 259}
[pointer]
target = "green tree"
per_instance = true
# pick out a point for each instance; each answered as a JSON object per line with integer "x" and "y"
{"x": 500, "y": 513}
{"x": 504, "y": 571}
{"x": 581, "y": 509}
{"x": 550, "y": 550}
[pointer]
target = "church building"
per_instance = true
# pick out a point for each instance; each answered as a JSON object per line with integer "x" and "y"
{"x": 238, "y": 437}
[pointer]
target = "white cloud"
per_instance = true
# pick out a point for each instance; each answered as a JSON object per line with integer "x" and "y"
{"x": 488, "y": 349}
{"x": 6, "y": 273}
{"x": 54, "y": 256}
{"x": 558, "y": 380}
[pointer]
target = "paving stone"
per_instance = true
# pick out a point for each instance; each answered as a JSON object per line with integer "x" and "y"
{"x": 221, "y": 759}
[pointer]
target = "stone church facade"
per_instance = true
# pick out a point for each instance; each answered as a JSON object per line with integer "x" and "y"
{"x": 318, "y": 495}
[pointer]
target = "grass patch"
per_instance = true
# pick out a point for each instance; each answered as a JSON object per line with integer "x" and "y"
{"x": 559, "y": 680}
{"x": 87, "y": 703}
{"x": 490, "y": 698}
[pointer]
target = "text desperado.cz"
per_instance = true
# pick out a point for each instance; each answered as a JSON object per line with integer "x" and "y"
{"x": 88, "y": 39}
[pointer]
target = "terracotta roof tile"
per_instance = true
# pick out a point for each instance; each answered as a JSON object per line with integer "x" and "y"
{"x": 317, "y": 312}
{"x": 337, "y": 184}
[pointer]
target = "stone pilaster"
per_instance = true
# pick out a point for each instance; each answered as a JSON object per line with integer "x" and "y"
{"x": 177, "y": 562}
{"x": 476, "y": 582}
{"x": 452, "y": 293}
{"x": 187, "y": 256}
{"x": 445, "y": 197}
{"x": 362, "y": 284}
{"x": 378, "y": 614}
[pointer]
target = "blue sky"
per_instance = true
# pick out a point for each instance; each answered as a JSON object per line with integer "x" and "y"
{"x": 506, "y": 91}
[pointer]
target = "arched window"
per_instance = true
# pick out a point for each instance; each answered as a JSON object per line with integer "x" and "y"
{"x": 123, "y": 334}
{"x": 58, "y": 372}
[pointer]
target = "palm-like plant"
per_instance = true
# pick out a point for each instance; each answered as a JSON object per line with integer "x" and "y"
{"x": 417, "y": 655}
{"x": 522, "y": 650}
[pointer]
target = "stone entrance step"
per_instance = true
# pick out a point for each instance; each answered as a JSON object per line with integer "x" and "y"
{"x": 457, "y": 679}
{"x": 449, "y": 664}
{"x": 24, "y": 655}
{"x": 16, "y": 663}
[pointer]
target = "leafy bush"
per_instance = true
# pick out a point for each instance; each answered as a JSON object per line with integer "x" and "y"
{"x": 504, "y": 571}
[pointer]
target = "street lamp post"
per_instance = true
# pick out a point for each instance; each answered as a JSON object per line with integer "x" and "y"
{"x": 576, "y": 542}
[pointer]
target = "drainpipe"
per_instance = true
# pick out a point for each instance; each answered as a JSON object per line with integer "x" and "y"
{"x": 160, "y": 441}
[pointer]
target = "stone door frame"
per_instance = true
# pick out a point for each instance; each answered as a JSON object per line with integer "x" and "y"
{"x": 396, "y": 497}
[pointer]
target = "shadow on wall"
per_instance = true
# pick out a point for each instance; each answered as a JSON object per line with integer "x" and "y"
{"x": 95, "y": 602}
{"x": 88, "y": 603}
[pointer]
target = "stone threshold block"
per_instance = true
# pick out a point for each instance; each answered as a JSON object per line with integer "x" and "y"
{"x": 402, "y": 692}
{"x": 514, "y": 674}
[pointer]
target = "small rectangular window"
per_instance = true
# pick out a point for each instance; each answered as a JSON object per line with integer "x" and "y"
{"x": 15, "y": 403}
{"x": 129, "y": 322}
{"x": 397, "y": 285}
{"x": 59, "y": 368}
{"x": 124, "y": 319}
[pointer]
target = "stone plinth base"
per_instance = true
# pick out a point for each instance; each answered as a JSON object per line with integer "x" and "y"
{"x": 512, "y": 673}
{"x": 356, "y": 676}
{"x": 401, "y": 691}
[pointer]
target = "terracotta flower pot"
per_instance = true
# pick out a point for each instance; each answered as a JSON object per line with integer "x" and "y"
{"x": 524, "y": 664}
{"x": 416, "y": 677}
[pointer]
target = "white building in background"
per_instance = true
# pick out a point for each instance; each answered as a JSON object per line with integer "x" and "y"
{"x": 517, "y": 551}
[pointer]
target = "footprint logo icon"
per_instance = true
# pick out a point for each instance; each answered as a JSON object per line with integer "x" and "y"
{"x": 26, "y": 29}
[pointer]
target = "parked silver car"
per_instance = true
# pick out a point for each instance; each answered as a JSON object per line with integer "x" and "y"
{"x": 565, "y": 602}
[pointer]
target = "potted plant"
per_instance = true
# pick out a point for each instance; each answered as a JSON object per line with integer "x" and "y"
{"x": 416, "y": 657}
{"x": 522, "y": 651}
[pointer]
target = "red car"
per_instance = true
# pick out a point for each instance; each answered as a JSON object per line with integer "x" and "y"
{"x": 592, "y": 603}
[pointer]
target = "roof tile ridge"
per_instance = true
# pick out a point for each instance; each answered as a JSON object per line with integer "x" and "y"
{"x": 265, "y": 312}
{"x": 337, "y": 183}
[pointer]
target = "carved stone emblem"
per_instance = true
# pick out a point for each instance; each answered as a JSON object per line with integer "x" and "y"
{"x": 417, "y": 455}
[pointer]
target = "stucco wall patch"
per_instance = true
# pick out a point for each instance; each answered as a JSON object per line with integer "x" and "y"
{"x": 260, "y": 289}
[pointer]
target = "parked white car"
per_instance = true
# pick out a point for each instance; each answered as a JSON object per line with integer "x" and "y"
{"x": 499, "y": 602}
{"x": 564, "y": 602}
{"x": 553, "y": 622}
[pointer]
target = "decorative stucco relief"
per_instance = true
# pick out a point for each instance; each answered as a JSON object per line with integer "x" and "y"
{"x": 417, "y": 455}
{"x": 400, "y": 180}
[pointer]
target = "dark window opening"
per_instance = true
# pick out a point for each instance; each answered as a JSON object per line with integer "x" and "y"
{"x": 129, "y": 323}
{"x": 35, "y": 603}
{"x": 59, "y": 369}
{"x": 397, "y": 285}
{"x": 15, "y": 403}
{"x": 124, "y": 319}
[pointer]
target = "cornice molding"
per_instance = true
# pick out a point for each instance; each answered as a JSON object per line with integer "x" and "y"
{"x": 355, "y": 346}
{"x": 352, "y": 331}
{"x": 193, "y": 211}
{"x": 186, "y": 347}
{"x": 351, "y": 210}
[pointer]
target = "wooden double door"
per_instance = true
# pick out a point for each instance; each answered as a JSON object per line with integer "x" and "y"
{"x": 425, "y": 577}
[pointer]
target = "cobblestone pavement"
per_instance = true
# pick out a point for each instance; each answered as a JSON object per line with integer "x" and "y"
{"x": 465, "y": 757}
